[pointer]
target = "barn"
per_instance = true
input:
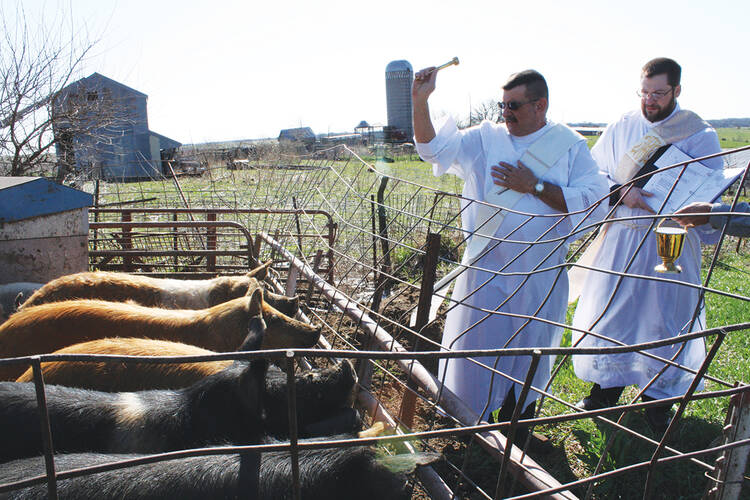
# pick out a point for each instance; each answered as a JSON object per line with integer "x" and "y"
{"x": 105, "y": 133}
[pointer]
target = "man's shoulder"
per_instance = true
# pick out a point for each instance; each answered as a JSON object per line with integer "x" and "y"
{"x": 490, "y": 126}
{"x": 632, "y": 116}
{"x": 562, "y": 129}
{"x": 708, "y": 129}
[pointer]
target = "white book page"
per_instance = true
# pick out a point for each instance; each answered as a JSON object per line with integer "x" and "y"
{"x": 692, "y": 185}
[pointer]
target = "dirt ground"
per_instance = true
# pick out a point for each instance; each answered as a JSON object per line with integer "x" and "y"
{"x": 459, "y": 453}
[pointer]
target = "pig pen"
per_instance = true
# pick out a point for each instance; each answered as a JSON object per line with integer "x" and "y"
{"x": 368, "y": 247}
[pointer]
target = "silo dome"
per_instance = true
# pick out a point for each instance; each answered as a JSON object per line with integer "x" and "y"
{"x": 398, "y": 79}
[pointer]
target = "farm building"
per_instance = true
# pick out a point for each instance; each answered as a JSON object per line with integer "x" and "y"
{"x": 589, "y": 131}
{"x": 104, "y": 130}
{"x": 301, "y": 135}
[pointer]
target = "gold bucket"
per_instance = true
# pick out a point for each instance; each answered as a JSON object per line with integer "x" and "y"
{"x": 669, "y": 241}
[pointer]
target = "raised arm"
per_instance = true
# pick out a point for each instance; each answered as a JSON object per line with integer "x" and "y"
{"x": 423, "y": 86}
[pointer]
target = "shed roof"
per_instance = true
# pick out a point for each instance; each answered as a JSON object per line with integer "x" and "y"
{"x": 94, "y": 78}
{"x": 26, "y": 197}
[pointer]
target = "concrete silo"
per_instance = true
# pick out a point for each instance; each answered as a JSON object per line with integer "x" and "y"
{"x": 398, "y": 78}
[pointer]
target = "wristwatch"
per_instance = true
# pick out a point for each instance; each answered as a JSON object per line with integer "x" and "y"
{"x": 538, "y": 188}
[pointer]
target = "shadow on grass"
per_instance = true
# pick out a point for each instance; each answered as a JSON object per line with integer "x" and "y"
{"x": 682, "y": 479}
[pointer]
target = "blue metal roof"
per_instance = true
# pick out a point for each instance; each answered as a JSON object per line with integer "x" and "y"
{"x": 25, "y": 197}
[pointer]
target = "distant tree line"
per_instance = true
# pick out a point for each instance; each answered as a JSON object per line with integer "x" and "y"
{"x": 730, "y": 122}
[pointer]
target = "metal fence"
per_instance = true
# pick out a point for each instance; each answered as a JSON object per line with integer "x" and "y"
{"x": 386, "y": 240}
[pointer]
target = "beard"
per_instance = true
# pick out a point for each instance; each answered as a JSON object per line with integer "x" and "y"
{"x": 660, "y": 113}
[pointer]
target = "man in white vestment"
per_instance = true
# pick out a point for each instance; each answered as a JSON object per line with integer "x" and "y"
{"x": 635, "y": 310}
{"x": 496, "y": 158}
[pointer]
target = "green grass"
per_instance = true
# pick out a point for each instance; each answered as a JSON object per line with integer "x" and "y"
{"x": 579, "y": 444}
{"x": 734, "y": 137}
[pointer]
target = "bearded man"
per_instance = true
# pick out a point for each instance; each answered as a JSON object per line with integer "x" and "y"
{"x": 633, "y": 310}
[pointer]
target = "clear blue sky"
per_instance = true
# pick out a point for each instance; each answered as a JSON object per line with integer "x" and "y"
{"x": 222, "y": 70}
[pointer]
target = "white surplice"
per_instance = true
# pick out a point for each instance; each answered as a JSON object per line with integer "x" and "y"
{"x": 642, "y": 310}
{"x": 464, "y": 153}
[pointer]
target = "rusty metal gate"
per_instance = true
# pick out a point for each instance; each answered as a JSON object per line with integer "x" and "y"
{"x": 198, "y": 243}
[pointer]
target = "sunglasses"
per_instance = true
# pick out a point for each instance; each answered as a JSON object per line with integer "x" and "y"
{"x": 514, "y": 105}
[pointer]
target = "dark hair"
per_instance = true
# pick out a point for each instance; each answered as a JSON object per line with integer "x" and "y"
{"x": 536, "y": 85}
{"x": 663, "y": 65}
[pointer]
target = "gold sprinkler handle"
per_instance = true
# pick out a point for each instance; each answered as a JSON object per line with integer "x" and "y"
{"x": 449, "y": 63}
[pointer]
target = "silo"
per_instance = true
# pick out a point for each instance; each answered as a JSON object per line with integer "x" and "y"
{"x": 398, "y": 78}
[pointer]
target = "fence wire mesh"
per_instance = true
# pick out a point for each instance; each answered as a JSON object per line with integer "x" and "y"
{"x": 349, "y": 234}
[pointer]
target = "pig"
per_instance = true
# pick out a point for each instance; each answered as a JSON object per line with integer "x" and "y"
{"x": 322, "y": 393}
{"x": 224, "y": 407}
{"x": 12, "y": 293}
{"x": 48, "y": 327}
{"x": 159, "y": 292}
{"x": 325, "y": 474}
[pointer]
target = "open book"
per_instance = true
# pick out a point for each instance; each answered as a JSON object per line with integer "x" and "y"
{"x": 697, "y": 183}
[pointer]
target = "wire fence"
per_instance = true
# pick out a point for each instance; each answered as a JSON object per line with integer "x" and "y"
{"x": 387, "y": 240}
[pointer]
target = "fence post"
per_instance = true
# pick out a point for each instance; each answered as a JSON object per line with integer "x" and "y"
{"x": 383, "y": 284}
{"x": 294, "y": 451}
{"x": 41, "y": 402}
{"x": 211, "y": 242}
{"x": 376, "y": 297}
{"x": 127, "y": 242}
{"x": 728, "y": 475}
{"x": 408, "y": 403}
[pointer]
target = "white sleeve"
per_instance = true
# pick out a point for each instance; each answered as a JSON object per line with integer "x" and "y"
{"x": 587, "y": 188}
{"x": 451, "y": 151}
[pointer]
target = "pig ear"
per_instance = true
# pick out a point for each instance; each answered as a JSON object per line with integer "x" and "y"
{"x": 261, "y": 271}
{"x": 252, "y": 386}
{"x": 256, "y": 328}
{"x": 255, "y": 304}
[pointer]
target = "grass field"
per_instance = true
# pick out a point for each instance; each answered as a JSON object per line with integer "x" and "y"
{"x": 734, "y": 137}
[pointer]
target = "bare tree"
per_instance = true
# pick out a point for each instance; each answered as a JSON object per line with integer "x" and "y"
{"x": 487, "y": 110}
{"x": 39, "y": 114}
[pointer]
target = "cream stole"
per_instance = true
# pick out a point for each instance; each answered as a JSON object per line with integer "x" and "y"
{"x": 540, "y": 156}
{"x": 681, "y": 125}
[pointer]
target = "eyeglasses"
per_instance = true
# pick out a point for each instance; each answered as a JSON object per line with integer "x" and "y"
{"x": 514, "y": 105}
{"x": 658, "y": 94}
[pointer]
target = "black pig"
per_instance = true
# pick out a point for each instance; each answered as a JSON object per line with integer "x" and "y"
{"x": 325, "y": 474}
{"x": 224, "y": 407}
{"x": 323, "y": 395}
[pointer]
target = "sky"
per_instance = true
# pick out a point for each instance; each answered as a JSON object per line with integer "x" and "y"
{"x": 226, "y": 70}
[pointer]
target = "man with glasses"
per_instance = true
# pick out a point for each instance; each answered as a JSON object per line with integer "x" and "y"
{"x": 636, "y": 310}
{"x": 537, "y": 170}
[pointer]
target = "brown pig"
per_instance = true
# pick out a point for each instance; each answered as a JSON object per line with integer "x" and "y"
{"x": 159, "y": 292}
{"x": 48, "y": 327}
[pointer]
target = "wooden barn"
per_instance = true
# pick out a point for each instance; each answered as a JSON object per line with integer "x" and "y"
{"x": 104, "y": 131}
